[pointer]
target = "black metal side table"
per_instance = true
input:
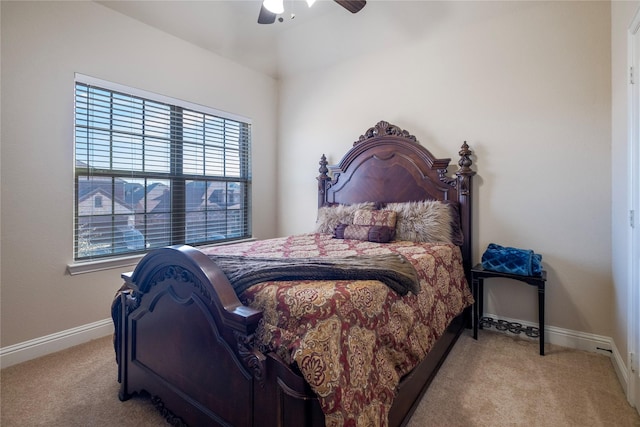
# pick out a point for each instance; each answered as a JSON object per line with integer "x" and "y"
{"x": 478, "y": 274}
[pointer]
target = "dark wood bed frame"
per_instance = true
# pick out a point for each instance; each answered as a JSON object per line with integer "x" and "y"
{"x": 184, "y": 337}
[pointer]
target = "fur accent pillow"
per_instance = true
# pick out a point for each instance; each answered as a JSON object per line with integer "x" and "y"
{"x": 425, "y": 221}
{"x": 457, "y": 237}
{"x": 330, "y": 216}
{"x": 384, "y": 218}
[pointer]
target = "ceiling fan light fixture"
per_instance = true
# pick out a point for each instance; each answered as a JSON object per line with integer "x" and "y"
{"x": 272, "y": 10}
{"x": 274, "y": 6}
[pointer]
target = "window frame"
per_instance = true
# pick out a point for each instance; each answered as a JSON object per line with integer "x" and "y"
{"x": 177, "y": 178}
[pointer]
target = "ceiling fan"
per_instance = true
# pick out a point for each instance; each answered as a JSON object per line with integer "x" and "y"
{"x": 270, "y": 9}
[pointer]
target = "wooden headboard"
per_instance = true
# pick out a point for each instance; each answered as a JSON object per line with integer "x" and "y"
{"x": 387, "y": 164}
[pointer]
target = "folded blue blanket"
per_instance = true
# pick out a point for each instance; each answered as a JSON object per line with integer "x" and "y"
{"x": 523, "y": 262}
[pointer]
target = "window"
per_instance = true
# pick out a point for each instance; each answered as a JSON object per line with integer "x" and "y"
{"x": 152, "y": 171}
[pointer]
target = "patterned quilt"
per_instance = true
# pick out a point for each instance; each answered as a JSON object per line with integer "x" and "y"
{"x": 354, "y": 340}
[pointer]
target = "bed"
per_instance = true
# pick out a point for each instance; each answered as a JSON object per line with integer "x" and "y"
{"x": 309, "y": 351}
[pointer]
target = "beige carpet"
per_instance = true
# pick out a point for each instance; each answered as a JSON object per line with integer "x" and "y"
{"x": 499, "y": 380}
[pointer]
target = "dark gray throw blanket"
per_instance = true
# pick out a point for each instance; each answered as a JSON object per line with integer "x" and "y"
{"x": 394, "y": 270}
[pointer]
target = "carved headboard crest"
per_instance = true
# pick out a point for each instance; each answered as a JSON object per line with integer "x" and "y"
{"x": 385, "y": 128}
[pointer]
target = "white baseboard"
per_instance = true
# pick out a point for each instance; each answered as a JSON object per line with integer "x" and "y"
{"x": 620, "y": 366}
{"x": 42, "y": 346}
{"x": 566, "y": 337}
{"x": 48, "y": 344}
{"x": 581, "y": 341}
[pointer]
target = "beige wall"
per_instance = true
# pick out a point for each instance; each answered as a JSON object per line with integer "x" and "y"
{"x": 528, "y": 85}
{"x": 622, "y": 13}
{"x": 43, "y": 45}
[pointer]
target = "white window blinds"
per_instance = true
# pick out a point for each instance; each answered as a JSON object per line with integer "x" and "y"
{"x": 152, "y": 171}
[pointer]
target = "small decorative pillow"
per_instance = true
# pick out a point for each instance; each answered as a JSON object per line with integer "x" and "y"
{"x": 330, "y": 216}
{"x": 385, "y": 218}
{"x": 370, "y": 233}
{"x": 424, "y": 221}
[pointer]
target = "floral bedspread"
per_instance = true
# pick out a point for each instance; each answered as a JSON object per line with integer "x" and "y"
{"x": 354, "y": 340}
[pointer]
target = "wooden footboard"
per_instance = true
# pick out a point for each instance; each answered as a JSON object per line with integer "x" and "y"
{"x": 185, "y": 338}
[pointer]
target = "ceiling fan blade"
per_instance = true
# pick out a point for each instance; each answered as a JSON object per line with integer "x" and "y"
{"x": 266, "y": 17}
{"x": 353, "y": 6}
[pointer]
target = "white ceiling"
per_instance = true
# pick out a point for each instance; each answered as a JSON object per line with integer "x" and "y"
{"x": 318, "y": 37}
{"x": 230, "y": 29}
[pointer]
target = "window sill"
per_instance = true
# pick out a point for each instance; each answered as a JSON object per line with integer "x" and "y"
{"x": 113, "y": 263}
{"x": 99, "y": 265}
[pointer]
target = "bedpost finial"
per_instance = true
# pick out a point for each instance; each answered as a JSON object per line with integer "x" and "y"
{"x": 323, "y": 180}
{"x": 323, "y": 165}
{"x": 465, "y": 160}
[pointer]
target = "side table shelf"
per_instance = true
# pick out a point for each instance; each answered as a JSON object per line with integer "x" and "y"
{"x": 478, "y": 274}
